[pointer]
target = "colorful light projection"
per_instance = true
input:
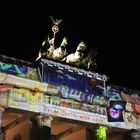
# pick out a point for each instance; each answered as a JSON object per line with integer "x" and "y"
{"x": 60, "y": 74}
{"x": 5, "y": 86}
{"x": 12, "y": 68}
{"x": 19, "y": 70}
{"x": 101, "y": 132}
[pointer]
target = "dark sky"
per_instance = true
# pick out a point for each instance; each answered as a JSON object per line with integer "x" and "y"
{"x": 112, "y": 28}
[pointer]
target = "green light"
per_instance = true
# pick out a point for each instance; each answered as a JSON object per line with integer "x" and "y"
{"x": 6, "y": 66}
{"x": 17, "y": 69}
{"x": 101, "y": 132}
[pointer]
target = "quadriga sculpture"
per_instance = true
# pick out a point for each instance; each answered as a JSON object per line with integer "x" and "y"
{"x": 73, "y": 58}
{"x": 61, "y": 51}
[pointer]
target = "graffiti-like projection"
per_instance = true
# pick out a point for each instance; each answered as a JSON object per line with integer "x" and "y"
{"x": 85, "y": 81}
{"x": 13, "y": 69}
{"x": 19, "y": 70}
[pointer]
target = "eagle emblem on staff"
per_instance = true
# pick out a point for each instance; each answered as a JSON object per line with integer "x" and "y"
{"x": 55, "y": 22}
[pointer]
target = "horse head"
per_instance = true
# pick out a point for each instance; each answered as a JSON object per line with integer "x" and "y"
{"x": 61, "y": 51}
{"x": 81, "y": 46}
{"x": 64, "y": 42}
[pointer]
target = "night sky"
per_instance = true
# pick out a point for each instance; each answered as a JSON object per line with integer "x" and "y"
{"x": 110, "y": 27}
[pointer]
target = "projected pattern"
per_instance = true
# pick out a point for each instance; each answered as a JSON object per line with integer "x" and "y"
{"x": 19, "y": 70}
{"x": 81, "y": 80}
